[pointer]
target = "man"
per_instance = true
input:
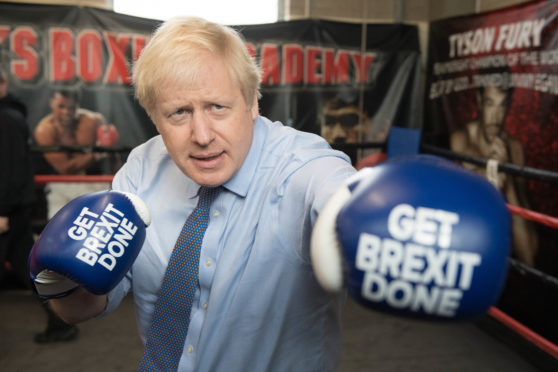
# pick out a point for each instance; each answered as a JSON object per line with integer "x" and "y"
{"x": 257, "y": 305}
{"x": 342, "y": 122}
{"x": 486, "y": 137}
{"x": 68, "y": 125}
{"x": 17, "y": 193}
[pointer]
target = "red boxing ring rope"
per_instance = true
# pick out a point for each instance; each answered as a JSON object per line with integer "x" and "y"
{"x": 541, "y": 342}
{"x": 534, "y": 216}
{"x": 48, "y": 178}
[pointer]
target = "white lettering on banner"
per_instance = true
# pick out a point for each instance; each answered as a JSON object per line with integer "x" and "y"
{"x": 414, "y": 269}
{"x": 105, "y": 237}
{"x": 518, "y": 35}
{"x": 471, "y": 42}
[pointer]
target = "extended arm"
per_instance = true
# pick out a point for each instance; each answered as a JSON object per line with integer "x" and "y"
{"x": 79, "y": 306}
{"x": 525, "y": 238}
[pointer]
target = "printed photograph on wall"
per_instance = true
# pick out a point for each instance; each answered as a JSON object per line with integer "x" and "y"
{"x": 492, "y": 93}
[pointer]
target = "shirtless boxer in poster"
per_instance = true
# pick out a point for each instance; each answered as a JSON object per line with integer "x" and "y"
{"x": 68, "y": 125}
{"x": 487, "y": 138}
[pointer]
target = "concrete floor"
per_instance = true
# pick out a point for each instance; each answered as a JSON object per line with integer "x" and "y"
{"x": 372, "y": 342}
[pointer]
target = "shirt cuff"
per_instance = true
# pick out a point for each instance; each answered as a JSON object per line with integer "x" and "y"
{"x": 115, "y": 297}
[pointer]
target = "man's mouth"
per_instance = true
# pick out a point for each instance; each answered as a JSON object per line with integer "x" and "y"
{"x": 492, "y": 128}
{"x": 207, "y": 160}
{"x": 206, "y": 157}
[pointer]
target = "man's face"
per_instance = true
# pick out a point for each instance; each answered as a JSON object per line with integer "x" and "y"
{"x": 342, "y": 125}
{"x": 494, "y": 106}
{"x": 63, "y": 109}
{"x": 207, "y": 126}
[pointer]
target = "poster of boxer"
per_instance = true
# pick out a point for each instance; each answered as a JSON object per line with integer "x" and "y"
{"x": 492, "y": 93}
{"x": 325, "y": 77}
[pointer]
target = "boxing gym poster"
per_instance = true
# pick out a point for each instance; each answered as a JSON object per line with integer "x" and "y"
{"x": 492, "y": 93}
{"x": 372, "y": 77}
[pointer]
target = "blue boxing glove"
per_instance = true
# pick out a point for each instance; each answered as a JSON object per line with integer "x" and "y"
{"x": 91, "y": 242}
{"x": 415, "y": 236}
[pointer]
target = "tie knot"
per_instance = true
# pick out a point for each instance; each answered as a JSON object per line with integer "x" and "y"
{"x": 207, "y": 194}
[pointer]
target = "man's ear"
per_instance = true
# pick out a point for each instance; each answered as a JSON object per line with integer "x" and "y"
{"x": 255, "y": 110}
{"x": 156, "y": 126}
{"x": 150, "y": 115}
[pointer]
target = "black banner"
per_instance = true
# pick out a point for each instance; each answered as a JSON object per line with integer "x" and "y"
{"x": 87, "y": 48}
{"x": 306, "y": 65}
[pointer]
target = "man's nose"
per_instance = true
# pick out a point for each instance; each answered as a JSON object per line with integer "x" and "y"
{"x": 202, "y": 132}
{"x": 496, "y": 115}
{"x": 337, "y": 131}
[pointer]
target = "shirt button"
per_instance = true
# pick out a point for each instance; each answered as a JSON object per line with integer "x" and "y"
{"x": 190, "y": 348}
{"x": 208, "y": 262}
{"x": 205, "y": 305}
{"x": 216, "y": 213}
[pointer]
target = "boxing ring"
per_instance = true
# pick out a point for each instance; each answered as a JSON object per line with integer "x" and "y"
{"x": 547, "y": 347}
{"x": 516, "y": 327}
{"x": 43, "y": 179}
{"x": 536, "y": 217}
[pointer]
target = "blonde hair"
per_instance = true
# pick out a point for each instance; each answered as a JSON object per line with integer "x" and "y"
{"x": 178, "y": 51}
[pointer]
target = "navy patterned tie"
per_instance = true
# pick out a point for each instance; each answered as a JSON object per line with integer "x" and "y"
{"x": 165, "y": 339}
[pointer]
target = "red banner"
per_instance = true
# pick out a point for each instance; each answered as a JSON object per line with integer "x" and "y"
{"x": 492, "y": 93}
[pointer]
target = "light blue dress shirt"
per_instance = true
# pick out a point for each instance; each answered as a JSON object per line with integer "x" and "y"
{"x": 259, "y": 306}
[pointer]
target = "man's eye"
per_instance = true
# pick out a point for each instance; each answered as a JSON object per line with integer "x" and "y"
{"x": 217, "y": 107}
{"x": 178, "y": 114}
